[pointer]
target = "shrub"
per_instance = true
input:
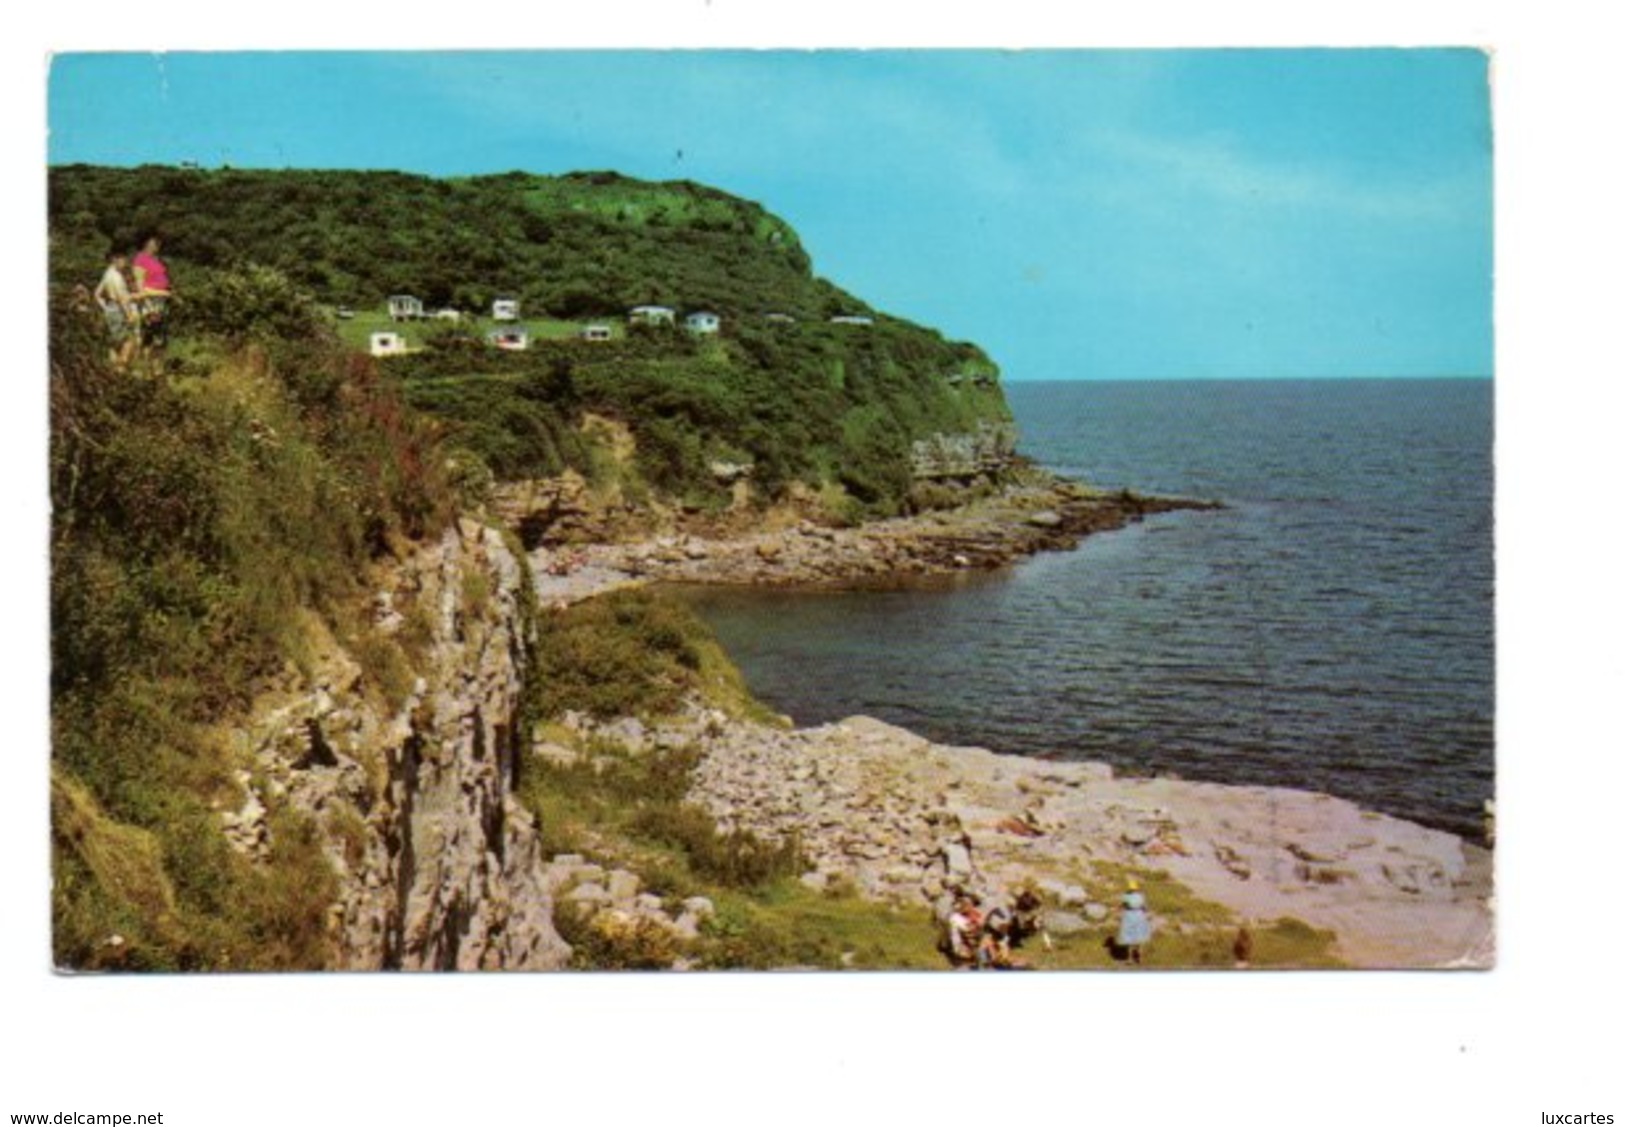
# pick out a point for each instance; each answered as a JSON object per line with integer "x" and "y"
{"x": 624, "y": 654}
{"x": 611, "y": 940}
{"x": 249, "y": 302}
{"x": 635, "y": 652}
{"x": 736, "y": 859}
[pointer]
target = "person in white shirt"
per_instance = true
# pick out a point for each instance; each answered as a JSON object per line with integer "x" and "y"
{"x": 118, "y": 308}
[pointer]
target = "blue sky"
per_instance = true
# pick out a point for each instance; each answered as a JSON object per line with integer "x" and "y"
{"x": 1080, "y": 214}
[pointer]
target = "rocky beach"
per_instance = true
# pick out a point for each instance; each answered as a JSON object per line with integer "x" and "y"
{"x": 786, "y": 550}
{"x": 899, "y": 819}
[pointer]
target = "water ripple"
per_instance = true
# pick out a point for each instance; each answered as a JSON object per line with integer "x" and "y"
{"x": 1332, "y": 630}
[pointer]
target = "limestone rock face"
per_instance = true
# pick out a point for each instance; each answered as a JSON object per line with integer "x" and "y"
{"x": 439, "y": 865}
{"x": 988, "y": 448}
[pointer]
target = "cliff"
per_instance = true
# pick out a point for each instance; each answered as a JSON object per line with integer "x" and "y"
{"x": 439, "y": 865}
{"x": 988, "y": 448}
{"x": 287, "y": 680}
{"x": 304, "y": 714}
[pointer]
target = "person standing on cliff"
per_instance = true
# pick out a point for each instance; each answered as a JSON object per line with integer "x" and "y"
{"x": 152, "y": 291}
{"x": 119, "y": 309}
{"x": 1135, "y": 928}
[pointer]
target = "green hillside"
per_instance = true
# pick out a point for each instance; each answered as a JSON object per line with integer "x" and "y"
{"x": 800, "y": 399}
{"x": 579, "y": 245}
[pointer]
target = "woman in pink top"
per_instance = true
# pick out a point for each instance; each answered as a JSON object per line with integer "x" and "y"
{"x": 152, "y": 290}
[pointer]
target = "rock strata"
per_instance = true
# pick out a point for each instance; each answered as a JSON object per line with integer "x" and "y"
{"x": 439, "y": 864}
{"x": 1017, "y": 522}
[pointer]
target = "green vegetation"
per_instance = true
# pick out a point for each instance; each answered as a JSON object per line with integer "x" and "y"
{"x": 634, "y": 653}
{"x": 791, "y": 925}
{"x": 200, "y": 524}
{"x": 622, "y": 808}
{"x": 784, "y": 925}
{"x": 1187, "y": 930}
{"x": 578, "y": 246}
{"x": 832, "y": 407}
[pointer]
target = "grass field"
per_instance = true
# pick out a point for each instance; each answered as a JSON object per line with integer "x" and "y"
{"x": 357, "y": 331}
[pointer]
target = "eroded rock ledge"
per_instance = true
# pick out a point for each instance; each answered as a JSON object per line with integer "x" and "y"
{"x": 990, "y": 533}
{"x": 439, "y": 865}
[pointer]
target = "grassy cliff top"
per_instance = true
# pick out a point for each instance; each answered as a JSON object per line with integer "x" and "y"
{"x": 802, "y": 401}
{"x": 583, "y": 244}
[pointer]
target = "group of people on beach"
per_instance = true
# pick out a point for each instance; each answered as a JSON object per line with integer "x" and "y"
{"x": 985, "y": 937}
{"x": 134, "y": 298}
{"x": 979, "y": 936}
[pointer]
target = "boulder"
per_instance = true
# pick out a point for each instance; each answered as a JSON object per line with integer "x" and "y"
{"x": 556, "y": 754}
{"x": 1232, "y": 861}
{"x": 1064, "y": 923}
{"x": 1417, "y": 877}
{"x": 623, "y": 886}
{"x": 586, "y": 895}
{"x": 1315, "y": 856}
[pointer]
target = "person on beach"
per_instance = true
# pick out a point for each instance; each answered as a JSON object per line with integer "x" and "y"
{"x": 1134, "y": 931}
{"x": 119, "y": 310}
{"x": 1028, "y": 920}
{"x": 993, "y": 949}
{"x": 153, "y": 292}
{"x": 964, "y": 933}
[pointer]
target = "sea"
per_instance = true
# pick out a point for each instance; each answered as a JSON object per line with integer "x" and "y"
{"x": 1330, "y": 629}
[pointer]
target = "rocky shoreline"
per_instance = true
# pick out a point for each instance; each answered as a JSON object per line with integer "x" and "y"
{"x": 898, "y": 818}
{"x": 987, "y": 534}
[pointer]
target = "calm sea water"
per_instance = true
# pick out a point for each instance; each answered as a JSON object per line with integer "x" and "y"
{"x": 1331, "y": 630}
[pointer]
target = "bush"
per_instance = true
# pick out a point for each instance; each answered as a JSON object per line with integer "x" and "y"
{"x": 611, "y": 940}
{"x": 624, "y": 654}
{"x": 736, "y": 859}
{"x": 248, "y": 303}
